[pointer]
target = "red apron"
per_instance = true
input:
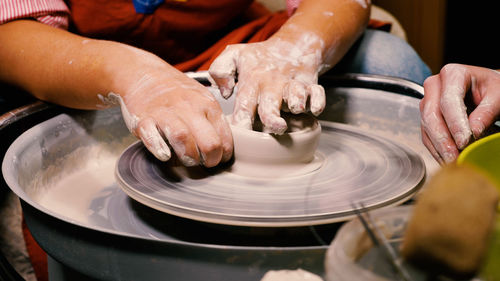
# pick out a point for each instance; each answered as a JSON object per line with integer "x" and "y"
{"x": 187, "y": 34}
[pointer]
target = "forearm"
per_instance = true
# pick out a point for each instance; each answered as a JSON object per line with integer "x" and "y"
{"x": 60, "y": 67}
{"x": 160, "y": 105}
{"x": 336, "y": 23}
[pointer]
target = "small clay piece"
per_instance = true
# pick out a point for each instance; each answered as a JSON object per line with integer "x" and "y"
{"x": 290, "y": 275}
{"x": 451, "y": 225}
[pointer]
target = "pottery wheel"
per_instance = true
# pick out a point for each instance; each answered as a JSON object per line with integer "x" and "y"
{"x": 357, "y": 167}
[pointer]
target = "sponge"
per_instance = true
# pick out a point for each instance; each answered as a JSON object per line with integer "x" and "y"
{"x": 452, "y": 222}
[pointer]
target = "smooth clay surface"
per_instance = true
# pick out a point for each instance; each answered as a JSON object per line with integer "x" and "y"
{"x": 260, "y": 154}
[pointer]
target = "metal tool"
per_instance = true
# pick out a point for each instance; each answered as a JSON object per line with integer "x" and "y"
{"x": 379, "y": 240}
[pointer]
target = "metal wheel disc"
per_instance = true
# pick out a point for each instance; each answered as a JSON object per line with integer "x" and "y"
{"x": 357, "y": 167}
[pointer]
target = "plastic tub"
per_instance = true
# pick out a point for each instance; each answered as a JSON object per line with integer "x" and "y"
{"x": 484, "y": 154}
{"x": 351, "y": 255}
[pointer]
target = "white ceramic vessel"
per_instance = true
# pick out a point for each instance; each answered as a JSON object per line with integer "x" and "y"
{"x": 260, "y": 154}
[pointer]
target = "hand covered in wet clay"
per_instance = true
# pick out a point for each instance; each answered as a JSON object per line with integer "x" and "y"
{"x": 447, "y": 124}
{"x": 270, "y": 73}
{"x": 164, "y": 107}
{"x": 167, "y": 108}
{"x": 282, "y": 72}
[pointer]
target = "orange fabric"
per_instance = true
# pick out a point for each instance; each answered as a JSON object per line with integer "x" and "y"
{"x": 177, "y": 31}
{"x": 187, "y": 34}
{"x": 380, "y": 25}
{"x": 254, "y": 31}
{"x": 37, "y": 256}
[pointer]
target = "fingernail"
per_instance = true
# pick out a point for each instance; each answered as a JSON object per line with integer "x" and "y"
{"x": 158, "y": 151}
{"x": 226, "y": 157}
{"x": 277, "y": 127}
{"x": 203, "y": 158}
{"x": 188, "y": 161}
{"x": 297, "y": 107}
{"x": 226, "y": 92}
{"x": 448, "y": 157}
{"x": 316, "y": 110}
{"x": 318, "y": 101}
{"x": 164, "y": 155}
{"x": 155, "y": 144}
{"x": 463, "y": 139}
{"x": 477, "y": 128}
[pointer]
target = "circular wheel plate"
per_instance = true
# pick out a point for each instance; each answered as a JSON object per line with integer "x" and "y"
{"x": 358, "y": 167}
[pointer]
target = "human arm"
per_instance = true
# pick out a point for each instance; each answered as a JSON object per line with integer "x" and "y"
{"x": 158, "y": 102}
{"x": 285, "y": 67}
{"x": 447, "y": 127}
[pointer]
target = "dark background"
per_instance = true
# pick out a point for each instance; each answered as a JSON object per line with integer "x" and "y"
{"x": 473, "y": 33}
{"x": 450, "y": 31}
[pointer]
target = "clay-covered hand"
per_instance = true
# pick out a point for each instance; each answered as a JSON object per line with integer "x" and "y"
{"x": 160, "y": 105}
{"x": 448, "y": 126}
{"x": 269, "y": 74}
{"x": 174, "y": 109}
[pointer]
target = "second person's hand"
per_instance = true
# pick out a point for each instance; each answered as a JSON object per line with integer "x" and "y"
{"x": 447, "y": 127}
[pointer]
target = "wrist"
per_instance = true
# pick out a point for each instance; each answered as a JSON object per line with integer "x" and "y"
{"x": 299, "y": 46}
{"x": 129, "y": 69}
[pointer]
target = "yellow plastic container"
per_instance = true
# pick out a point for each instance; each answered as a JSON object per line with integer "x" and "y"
{"x": 484, "y": 154}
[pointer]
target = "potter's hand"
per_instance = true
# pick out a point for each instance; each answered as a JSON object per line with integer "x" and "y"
{"x": 446, "y": 127}
{"x": 159, "y": 104}
{"x": 268, "y": 74}
{"x": 176, "y": 109}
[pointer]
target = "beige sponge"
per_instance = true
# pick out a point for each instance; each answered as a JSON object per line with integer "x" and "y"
{"x": 453, "y": 218}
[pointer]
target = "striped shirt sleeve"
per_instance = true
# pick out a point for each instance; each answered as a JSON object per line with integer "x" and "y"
{"x": 51, "y": 12}
{"x": 291, "y": 6}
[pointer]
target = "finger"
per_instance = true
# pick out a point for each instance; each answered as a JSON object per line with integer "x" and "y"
{"x": 441, "y": 140}
{"x": 317, "y": 99}
{"x": 484, "y": 115}
{"x": 314, "y": 92}
{"x": 222, "y": 128}
{"x": 455, "y": 81}
{"x": 245, "y": 105}
{"x": 223, "y": 70}
{"x": 295, "y": 95}
{"x": 130, "y": 119}
{"x": 179, "y": 137}
{"x": 427, "y": 142}
{"x": 488, "y": 109}
{"x": 208, "y": 141}
{"x": 152, "y": 139}
{"x": 270, "y": 98}
{"x": 433, "y": 123}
